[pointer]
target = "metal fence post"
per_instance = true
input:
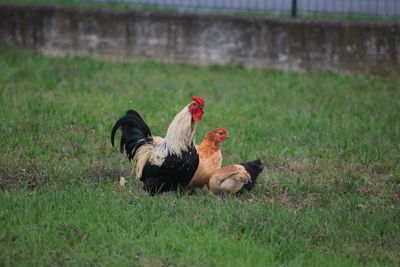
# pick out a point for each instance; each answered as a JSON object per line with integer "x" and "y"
{"x": 294, "y": 8}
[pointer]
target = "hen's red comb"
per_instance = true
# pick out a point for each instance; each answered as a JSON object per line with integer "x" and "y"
{"x": 222, "y": 129}
{"x": 198, "y": 100}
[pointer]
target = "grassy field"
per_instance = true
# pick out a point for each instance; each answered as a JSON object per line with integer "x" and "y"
{"x": 330, "y": 193}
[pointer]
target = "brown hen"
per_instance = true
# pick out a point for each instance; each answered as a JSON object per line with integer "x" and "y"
{"x": 210, "y": 158}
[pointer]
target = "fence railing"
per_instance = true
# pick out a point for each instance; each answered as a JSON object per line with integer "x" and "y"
{"x": 351, "y": 9}
{"x": 384, "y": 9}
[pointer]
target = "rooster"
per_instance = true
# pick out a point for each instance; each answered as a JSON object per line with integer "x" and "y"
{"x": 210, "y": 158}
{"x": 235, "y": 178}
{"x": 165, "y": 164}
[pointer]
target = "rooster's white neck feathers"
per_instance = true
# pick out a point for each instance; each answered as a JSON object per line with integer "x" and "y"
{"x": 180, "y": 136}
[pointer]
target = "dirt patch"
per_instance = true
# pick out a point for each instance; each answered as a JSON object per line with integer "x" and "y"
{"x": 300, "y": 182}
{"x": 100, "y": 171}
{"x": 28, "y": 175}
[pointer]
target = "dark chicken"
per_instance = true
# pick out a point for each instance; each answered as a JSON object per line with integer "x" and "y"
{"x": 165, "y": 164}
{"x": 235, "y": 178}
{"x": 254, "y": 168}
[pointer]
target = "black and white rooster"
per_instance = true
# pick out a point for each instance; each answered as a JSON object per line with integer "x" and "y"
{"x": 165, "y": 165}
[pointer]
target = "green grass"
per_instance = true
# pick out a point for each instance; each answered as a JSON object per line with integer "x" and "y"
{"x": 329, "y": 195}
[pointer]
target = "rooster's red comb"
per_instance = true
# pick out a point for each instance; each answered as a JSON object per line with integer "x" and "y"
{"x": 198, "y": 100}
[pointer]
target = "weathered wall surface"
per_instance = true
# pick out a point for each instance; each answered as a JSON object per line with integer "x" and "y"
{"x": 288, "y": 44}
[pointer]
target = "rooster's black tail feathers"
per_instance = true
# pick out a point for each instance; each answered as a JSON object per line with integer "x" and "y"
{"x": 135, "y": 133}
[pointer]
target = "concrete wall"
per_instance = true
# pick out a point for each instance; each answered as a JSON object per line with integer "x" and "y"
{"x": 288, "y": 44}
